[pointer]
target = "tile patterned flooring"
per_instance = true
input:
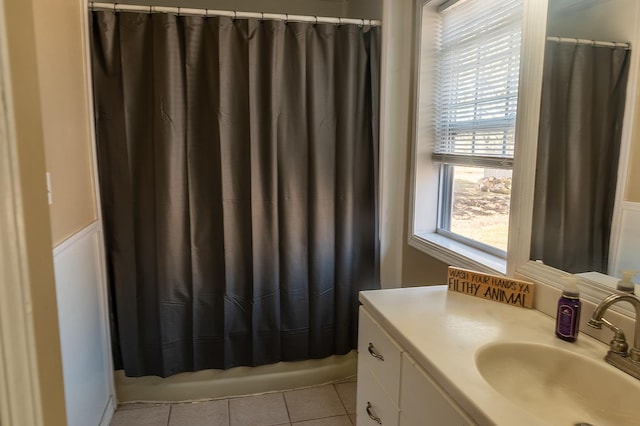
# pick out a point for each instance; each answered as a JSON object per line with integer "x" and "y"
{"x": 325, "y": 405}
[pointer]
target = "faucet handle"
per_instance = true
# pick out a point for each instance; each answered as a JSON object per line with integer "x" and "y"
{"x": 618, "y": 344}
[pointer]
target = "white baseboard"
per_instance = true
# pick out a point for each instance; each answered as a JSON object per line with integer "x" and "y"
{"x": 109, "y": 410}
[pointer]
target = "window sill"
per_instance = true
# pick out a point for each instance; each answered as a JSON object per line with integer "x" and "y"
{"x": 457, "y": 254}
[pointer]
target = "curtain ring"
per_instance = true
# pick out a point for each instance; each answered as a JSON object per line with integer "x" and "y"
{"x": 362, "y": 23}
{"x": 150, "y": 10}
{"x": 114, "y": 7}
{"x": 339, "y": 22}
{"x": 286, "y": 18}
{"x": 235, "y": 15}
{"x": 261, "y": 16}
{"x": 316, "y": 16}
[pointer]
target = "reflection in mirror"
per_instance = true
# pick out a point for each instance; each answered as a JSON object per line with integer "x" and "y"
{"x": 586, "y": 68}
{"x": 583, "y": 97}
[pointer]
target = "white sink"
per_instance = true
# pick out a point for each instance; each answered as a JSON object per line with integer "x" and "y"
{"x": 559, "y": 386}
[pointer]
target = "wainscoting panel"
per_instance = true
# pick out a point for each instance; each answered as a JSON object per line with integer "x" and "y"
{"x": 86, "y": 354}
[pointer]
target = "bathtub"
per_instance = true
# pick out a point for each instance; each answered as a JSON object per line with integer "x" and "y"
{"x": 212, "y": 384}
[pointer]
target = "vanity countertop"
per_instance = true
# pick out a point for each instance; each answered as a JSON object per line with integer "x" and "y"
{"x": 442, "y": 331}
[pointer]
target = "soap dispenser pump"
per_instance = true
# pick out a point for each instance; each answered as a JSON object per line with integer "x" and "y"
{"x": 568, "y": 314}
{"x": 626, "y": 283}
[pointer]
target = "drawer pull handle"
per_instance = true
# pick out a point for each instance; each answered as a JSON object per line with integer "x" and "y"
{"x": 374, "y": 353}
{"x": 371, "y": 415}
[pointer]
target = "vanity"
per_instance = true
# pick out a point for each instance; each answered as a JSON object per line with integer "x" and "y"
{"x": 427, "y": 356}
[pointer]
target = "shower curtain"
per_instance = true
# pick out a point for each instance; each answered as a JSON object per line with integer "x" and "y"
{"x": 582, "y": 109}
{"x": 238, "y": 164}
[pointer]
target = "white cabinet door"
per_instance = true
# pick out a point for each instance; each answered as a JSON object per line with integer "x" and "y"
{"x": 379, "y": 354}
{"x": 374, "y": 406}
{"x": 423, "y": 402}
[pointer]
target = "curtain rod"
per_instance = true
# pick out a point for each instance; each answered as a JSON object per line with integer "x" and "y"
{"x": 117, "y": 7}
{"x": 591, "y": 42}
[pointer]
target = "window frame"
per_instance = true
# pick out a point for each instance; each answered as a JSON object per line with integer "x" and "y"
{"x": 424, "y": 218}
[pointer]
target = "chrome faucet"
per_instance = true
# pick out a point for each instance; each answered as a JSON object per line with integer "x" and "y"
{"x": 629, "y": 362}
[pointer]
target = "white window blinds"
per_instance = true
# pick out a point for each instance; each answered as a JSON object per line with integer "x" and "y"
{"x": 477, "y": 84}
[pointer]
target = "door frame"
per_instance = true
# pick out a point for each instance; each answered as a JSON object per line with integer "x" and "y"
{"x": 20, "y": 396}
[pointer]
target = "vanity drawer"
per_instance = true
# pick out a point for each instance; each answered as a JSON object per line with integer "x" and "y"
{"x": 379, "y": 354}
{"x": 381, "y": 409}
{"x": 424, "y": 402}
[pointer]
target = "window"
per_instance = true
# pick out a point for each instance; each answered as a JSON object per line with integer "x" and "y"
{"x": 465, "y": 139}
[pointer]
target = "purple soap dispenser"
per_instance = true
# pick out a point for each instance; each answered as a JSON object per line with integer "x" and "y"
{"x": 568, "y": 315}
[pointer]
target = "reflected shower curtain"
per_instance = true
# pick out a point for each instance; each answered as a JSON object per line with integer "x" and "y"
{"x": 238, "y": 175}
{"x": 583, "y": 97}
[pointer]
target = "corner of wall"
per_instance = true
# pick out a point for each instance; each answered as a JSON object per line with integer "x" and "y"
{"x": 29, "y": 134}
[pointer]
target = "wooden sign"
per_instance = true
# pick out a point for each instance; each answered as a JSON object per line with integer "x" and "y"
{"x": 491, "y": 287}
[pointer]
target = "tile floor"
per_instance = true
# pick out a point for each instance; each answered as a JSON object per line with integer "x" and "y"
{"x": 325, "y": 405}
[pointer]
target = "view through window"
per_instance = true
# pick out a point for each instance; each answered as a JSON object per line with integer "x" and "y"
{"x": 480, "y": 205}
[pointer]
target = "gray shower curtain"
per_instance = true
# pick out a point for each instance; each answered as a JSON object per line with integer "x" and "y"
{"x": 582, "y": 109}
{"x": 238, "y": 167}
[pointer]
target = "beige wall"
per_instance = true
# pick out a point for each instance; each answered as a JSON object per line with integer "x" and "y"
{"x": 632, "y": 190}
{"x": 65, "y": 114}
{"x": 633, "y": 179}
{"x": 367, "y": 9}
{"x": 29, "y": 132}
{"x": 420, "y": 269}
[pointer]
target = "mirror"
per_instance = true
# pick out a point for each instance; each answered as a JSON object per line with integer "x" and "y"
{"x": 597, "y": 235}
